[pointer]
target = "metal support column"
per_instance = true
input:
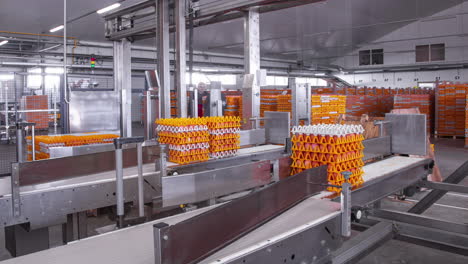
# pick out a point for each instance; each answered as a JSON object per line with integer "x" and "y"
{"x": 153, "y": 107}
{"x": 251, "y": 94}
{"x": 141, "y": 194}
{"x": 162, "y": 38}
{"x": 119, "y": 184}
{"x": 301, "y": 102}
{"x": 180, "y": 60}
{"x": 19, "y": 143}
{"x": 123, "y": 84}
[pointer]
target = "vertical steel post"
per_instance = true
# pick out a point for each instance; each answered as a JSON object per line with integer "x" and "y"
{"x": 6, "y": 107}
{"x": 19, "y": 143}
{"x": 119, "y": 184}
{"x": 162, "y": 38}
{"x": 194, "y": 110}
{"x": 308, "y": 104}
{"x": 346, "y": 205}
{"x": 15, "y": 190}
{"x": 33, "y": 142}
{"x": 301, "y": 102}
{"x": 152, "y": 112}
{"x": 194, "y": 103}
{"x": 141, "y": 194}
{"x": 162, "y": 166}
{"x": 123, "y": 84}
{"x": 160, "y": 236}
{"x": 251, "y": 95}
{"x": 181, "y": 58}
{"x": 346, "y": 210}
{"x": 65, "y": 56}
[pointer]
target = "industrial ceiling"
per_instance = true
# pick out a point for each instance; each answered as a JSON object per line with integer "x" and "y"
{"x": 314, "y": 32}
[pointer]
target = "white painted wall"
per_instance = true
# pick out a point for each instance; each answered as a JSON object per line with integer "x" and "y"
{"x": 404, "y": 79}
{"x": 449, "y": 26}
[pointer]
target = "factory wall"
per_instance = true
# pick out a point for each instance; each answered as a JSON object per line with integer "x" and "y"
{"x": 449, "y": 27}
{"x": 404, "y": 79}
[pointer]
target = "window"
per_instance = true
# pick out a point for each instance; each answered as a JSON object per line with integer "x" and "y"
{"x": 314, "y": 82}
{"x": 426, "y": 85}
{"x": 371, "y": 57}
{"x": 6, "y": 77}
{"x": 54, "y": 70}
{"x": 433, "y": 52}
{"x": 35, "y": 70}
{"x": 437, "y": 52}
{"x": 34, "y": 81}
{"x": 277, "y": 81}
{"x": 422, "y": 53}
{"x": 377, "y": 56}
{"x": 364, "y": 57}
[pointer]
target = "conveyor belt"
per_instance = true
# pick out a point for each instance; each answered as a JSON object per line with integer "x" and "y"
{"x": 5, "y": 183}
{"x": 247, "y": 151}
{"x": 302, "y": 216}
{"x": 135, "y": 244}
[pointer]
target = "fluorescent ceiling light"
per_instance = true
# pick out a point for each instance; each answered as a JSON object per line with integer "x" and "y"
{"x": 3, "y": 42}
{"x": 209, "y": 70}
{"x": 320, "y": 74}
{"x": 56, "y": 28}
{"x": 109, "y": 8}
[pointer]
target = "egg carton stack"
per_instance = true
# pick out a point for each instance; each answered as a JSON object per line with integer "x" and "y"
{"x": 327, "y": 108}
{"x": 44, "y": 143}
{"x": 188, "y": 139}
{"x": 338, "y": 146}
{"x": 224, "y": 136}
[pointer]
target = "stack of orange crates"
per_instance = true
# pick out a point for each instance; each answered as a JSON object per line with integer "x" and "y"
{"x": 420, "y": 101}
{"x": 451, "y": 109}
{"x": 466, "y": 120}
{"x": 37, "y": 102}
{"x": 44, "y": 143}
{"x": 284, "y": 103}
{"x": 188, "y": 139}
{"x": 338, "y": 146}
{"x": 224, "y": 136}
{"x": 268, "y": 103}
{"x": 372, "y": 105}
{"x": 327, "y": 108}
{"x": 233, "y": 105}
{"x": 322, "y": 90}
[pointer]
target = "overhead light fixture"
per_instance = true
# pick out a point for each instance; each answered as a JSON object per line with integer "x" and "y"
{"x": 209, "y": 70}
{"x": 109, "y": 8}
{"x": 320, "y": 74}
{"x": 56, "y": 28}
{"x": 3, "y": 42}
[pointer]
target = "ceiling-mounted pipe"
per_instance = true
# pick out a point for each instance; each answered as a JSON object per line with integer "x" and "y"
{"x": 202, "y": 53}
{"x": 32, "y": 34}
{"x": 149, "y": 67}
{"x": 50, "y": 48}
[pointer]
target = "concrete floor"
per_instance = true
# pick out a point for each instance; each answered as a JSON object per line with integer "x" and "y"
{"x": 450, "y": 154}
